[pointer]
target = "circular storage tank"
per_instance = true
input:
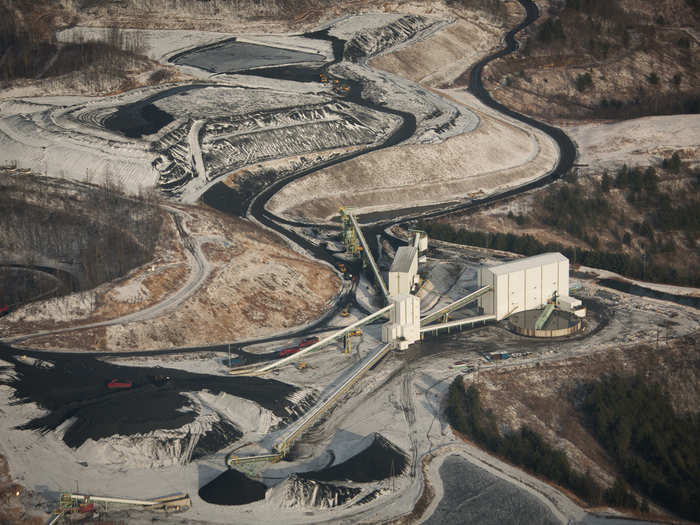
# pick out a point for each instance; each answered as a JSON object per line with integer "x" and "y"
{"x": 559, "y": 324}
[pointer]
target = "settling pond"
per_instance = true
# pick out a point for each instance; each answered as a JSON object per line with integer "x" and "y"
{"x": 231, "y": 56}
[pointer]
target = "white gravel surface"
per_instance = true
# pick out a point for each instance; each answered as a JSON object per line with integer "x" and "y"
{"x": 637, "y": 142}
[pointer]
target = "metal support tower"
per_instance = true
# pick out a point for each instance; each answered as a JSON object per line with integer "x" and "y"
{"x": 352, "y": 245}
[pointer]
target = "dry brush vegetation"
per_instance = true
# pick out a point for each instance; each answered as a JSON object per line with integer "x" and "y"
{"x": 604, "y": 59}
{"x": 30, "y": 55}
{"x": 96, "y": 230}
{"x": 622, "y": 420}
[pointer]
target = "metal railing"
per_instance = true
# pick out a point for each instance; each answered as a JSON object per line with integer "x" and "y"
{"x": 457, "y": 323}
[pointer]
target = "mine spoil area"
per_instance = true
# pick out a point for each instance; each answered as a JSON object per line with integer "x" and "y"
{"x": 373, "y": 41}
{"x": 381, "y": 459}
{"x": 205, "y": 147}
{"x": 221, "y": 435}
{"x": 309, "y": 493}
{"x": 230, "y": 143}
{"x": 78, "y": 389}
{"x": 232, "y": 487}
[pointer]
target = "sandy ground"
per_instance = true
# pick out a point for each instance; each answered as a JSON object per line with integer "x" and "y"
{"x": 637, "y": 142}
{"x": 439, "y": 61}
{"x": 240, "y": 281}
{"x": 499, "y": 153}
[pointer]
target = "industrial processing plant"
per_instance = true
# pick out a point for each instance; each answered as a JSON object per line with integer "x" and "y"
{"x": 348, "y": 262}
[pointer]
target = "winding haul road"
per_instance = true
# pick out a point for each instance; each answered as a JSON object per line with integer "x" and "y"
{"x": 200, "y": 271}
{"x": 567, "y": 153}
{"x": 257, "y": 208}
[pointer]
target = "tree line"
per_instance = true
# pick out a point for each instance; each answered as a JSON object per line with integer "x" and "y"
{"x": 524, "y": 448}
{"x": 96, "y": 229}
{"x": 28, "y": 47}
{"x": 601, "y": 30}
{"x": 622, "y": 263}
{"x": 656, "y": 449}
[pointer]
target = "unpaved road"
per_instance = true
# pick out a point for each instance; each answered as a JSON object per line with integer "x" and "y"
{"x": 199, "y": 272}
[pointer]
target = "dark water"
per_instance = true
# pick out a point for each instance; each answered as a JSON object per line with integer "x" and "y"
{"x": 142, "y": 117}
{"x": 473, "y": 495}
{"x": 295, "y": 73}
{"x": 642, "y": 291}
{"x": 231, "y": 56}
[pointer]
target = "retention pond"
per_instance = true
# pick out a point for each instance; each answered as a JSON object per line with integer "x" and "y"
{"x": 231, "y": 56}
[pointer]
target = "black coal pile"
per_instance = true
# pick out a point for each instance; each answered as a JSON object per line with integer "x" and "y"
{"x": 142, "y": 400}
{"x": 138, "y": 119}
{"x": 221, "y": 434}
{"x": 309, "y": 493}
{"x": 380, "y": 460}
{"x": 371, "y": 496}
{"x": 232, "y": 487}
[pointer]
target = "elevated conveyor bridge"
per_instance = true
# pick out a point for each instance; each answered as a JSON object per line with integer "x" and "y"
{"x": 254, "y": 370}
{"x": 367, "y": 254}
{"x": 458, "y": 323}
{"x": 284, "y": 444}
{"x": 459, "y": 303}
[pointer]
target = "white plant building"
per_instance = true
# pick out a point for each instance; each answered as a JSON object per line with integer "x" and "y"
{"x": 527, "y": 284}
{"x": 404, "y": 320}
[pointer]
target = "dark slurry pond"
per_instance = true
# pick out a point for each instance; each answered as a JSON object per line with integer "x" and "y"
{"x": 230, "y": 56}
{"x": 138, "y": 119}
{"x": 472, "y": 495}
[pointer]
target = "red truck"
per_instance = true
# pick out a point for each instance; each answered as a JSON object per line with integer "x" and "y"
{"x": 308, "y": 342}
{"x": 294, "y": 349}
{"x": 119, "y": 383}
{"x": 289, "y": 351}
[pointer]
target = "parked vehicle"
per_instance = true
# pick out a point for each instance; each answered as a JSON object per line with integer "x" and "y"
{"x": 289, "y": 351}
{"x": 308, "y": 342}
{"x": 119, "y": 383}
